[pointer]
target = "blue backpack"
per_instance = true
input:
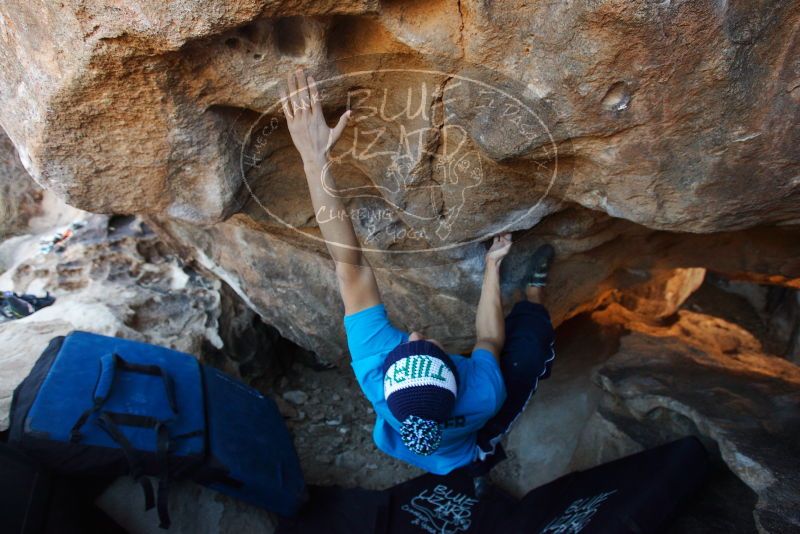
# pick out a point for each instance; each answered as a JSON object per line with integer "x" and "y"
{"x": 98, "y": 405}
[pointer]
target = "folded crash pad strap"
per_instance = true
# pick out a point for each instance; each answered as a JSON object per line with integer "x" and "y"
{"x": 135, "y": 467}
{"x": 109, "y": 363}
{"x": 162, "y": 448}
{"x": 109, "y": 422}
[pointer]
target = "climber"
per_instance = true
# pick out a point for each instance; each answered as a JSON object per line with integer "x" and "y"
{"x": 433, "y": 410}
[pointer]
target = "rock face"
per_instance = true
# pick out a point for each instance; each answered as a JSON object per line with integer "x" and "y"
{"x": 606, "y": 127}
{"x": 747, "y": 404}
{"x": 295, "y": 289}
{"x": 703, "y": 375}
{"x": 668, "y": 106}
{"x": 20, "y": 197}
{"x": 771, "y": 313}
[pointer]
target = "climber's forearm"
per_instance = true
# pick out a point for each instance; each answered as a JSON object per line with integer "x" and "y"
{"x": 489, "y": 323}
{"x": 335, "y": 225}
{"x": 357, "y": 284}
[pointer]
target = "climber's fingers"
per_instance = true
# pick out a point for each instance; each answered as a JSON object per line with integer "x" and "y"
{"x": 316, "y": 106}
{"x": 302, "y": 90}
{"x": 285, "y": 105}
{"x": 339, "y": 128}
{"x": 293, "y": 98}
{"x": 501, "y": 242}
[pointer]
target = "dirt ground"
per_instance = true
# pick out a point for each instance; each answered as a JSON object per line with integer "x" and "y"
{"x": 331, "y": 422}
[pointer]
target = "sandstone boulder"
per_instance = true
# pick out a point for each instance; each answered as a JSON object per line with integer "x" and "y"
{"x": 295, "y": 289}
{"x": 20, "y": 197}
{"x": 653, "y": 119}
{"x": 770, "y": 312}
{"x": 680, "y": 116}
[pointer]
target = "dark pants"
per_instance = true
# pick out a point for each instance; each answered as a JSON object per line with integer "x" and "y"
{"x": 527, "y": 358}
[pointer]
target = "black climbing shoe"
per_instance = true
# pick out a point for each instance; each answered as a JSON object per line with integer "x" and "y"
{"x": 38, "y": 302}
{"x": 540, "y": 266}
{"x": 15, "y": 306}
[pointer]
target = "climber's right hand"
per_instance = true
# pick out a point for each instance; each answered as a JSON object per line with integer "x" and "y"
{"x": 501, "y": 244}
{"x": 303, "y": 110}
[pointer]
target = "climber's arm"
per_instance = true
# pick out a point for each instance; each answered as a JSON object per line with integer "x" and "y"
{"x": 314, "y": 139}
{"x": 357, "y": 283}
{"x": 489, "y": 323}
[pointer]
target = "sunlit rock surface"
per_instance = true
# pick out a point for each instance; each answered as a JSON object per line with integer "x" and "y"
{"x": 661, "y": 117}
